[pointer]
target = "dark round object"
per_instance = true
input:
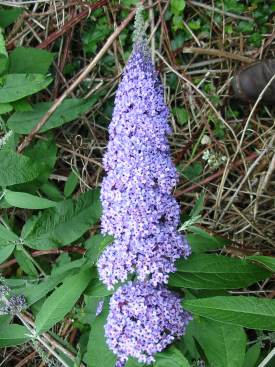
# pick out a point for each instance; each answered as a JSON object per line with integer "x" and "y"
{"x": 249, "y": 82}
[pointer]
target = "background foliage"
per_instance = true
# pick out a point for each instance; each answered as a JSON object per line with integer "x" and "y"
{"x": 49, "y": 198}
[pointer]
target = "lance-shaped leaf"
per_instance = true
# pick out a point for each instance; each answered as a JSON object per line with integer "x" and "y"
{"x": 70, "y": 109}
{"x": 224, "y": 345}
{"x": 249, "y": 312}
{"x": 203, "y": 271}
{"x": 13, "y": 334}
{"x": 98, "y": 353}
{"x": 62, "y": 300}
{"x": 27, "y": 201}
{"x": 16, "y": 169}
{"x": 63, "y": 224}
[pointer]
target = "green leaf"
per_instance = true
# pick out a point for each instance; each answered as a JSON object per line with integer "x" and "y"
{"x": 43, "y": 154}
{"x": 17, "y": 86}
{"x": 202, "y": 241}
{"x": 172, "y": 358}
{"x": 70, "y": 109}
{"x": 177, "y": 6}
{"x": 5, "y": 252}
{"x": 35, "y": 292}
{"x": 22, "y": 105}
{"x": 25, "y": 60}
{"x": 96, "y": 245}
{"x": 65, "y": 223}
{"x": 11, "y": 335}
{"x": 62, "y": 300}
{"x": 5, "y": 108}
{"x": 70, "y": 184}
{"x": 51, "y": 190}
{"x": 27, "y": 201}
{"x": 7, "y": 236}
{"x": 181, "y": 114}
{"x": 193, "y": 171}
{"x": 5, "y": 319}
{"x": 195, "y": 24}
{"x": 4, "y": 61}
{"x": 249, "y": 312}
{"x": 70, "y": 266}
{"x": 267, "y": 261}
{"x": 133, "y": 363}
{"x": 203, "y": 271}
{"x": 252, "y": 356}
{"x": 224, "y": 345}
{"x": 16, "y": 168}
{"x": 8, "y": 16}
{"x": 198, "y": 207}
{"x": 25, "y": 263}
{"x": 97, "y": 289}
{"x": 98, "y": 353}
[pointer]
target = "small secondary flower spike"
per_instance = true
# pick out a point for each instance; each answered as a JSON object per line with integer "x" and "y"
{"x": 143, "y": 320}
{"x": 138, "y": 207}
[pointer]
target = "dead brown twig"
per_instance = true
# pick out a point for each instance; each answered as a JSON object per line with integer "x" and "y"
{"x": 215, "y": 175}
{"x": 217, "y": 53}
{"x": 38, "y": 253}
{"x": 81, "y": 77}
{"x": 71, "y": 23}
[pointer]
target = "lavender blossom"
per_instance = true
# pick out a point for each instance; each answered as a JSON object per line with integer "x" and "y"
{"x": 99, "y": 307}
{"x": 138, "y": 208}
{"x": 143, "y": 320}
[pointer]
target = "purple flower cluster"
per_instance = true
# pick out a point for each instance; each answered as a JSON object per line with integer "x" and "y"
{"x": 142, "y": 215}
{"x": 138, "y": 208}
{"x": 143, "y": 320}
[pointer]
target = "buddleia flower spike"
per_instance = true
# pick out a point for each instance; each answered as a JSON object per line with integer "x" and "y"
{"x": 141, "y": 214}
{"x": 138, "y": 207}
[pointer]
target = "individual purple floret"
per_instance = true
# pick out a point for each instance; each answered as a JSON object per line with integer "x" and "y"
{"x": 138, "y": 207}
{"x": 143, "y": 320}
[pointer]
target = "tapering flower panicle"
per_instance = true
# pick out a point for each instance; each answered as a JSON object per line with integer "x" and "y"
{"x": 141, "y": 214}
{"x": 138, "y": 208}
{"x": 143, "y": 320}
